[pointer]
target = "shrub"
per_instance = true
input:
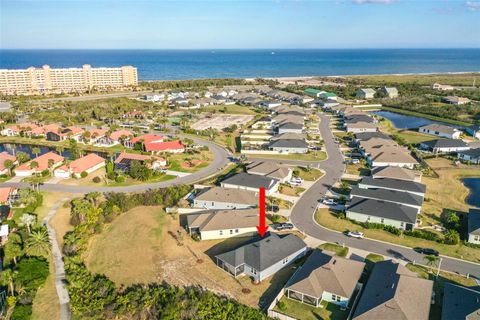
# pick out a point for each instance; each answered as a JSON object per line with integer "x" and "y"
{"x": 392, "y": 230}
{"x": 452, "y": 237}
{"x": 84, "y": 174}
{"x": 120, "y": 179}
{"x": 275, "y": 218}
{"x": 96, "y": 180}
{"x": 341, "y": 215}
{"x": 196, "y": 237}
{"x": 22, "y": 312}
{"x": 423, "y": 234}
{"x": 282, "y": 306}
{"x": 45, "y": 173}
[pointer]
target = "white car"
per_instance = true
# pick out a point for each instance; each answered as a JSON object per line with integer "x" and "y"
{"x": 355, "y": 234}
{"x": 294, "y": 183}
{"x": 329, "y": 202}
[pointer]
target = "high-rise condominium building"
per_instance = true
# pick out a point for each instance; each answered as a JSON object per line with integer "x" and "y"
{"x": 48, "y": 80}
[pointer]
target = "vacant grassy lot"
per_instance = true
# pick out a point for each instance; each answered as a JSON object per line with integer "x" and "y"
{"x": 230, "y": 109}
{"x": 311, "y": 156}
{"x": 185, "y": 162}
{"x": 306, "y": 312}
{"x": 291, "y": 190}
{"x": 328, "y": 219}
{"x": 447, "y": 191}
{"x": 308, "y": 174}
{"x": 408, "y": 136}
{"x": 438, "y": 285}
{"x": 464, "y": 79}
{"x": 358, "y": 169}
{"x": 45, "y": 304}
{"x": 339, "y": 250}
{"x": 152, "y": 254}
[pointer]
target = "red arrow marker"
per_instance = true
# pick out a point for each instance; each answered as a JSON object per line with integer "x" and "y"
{"x": 262, "y": 228}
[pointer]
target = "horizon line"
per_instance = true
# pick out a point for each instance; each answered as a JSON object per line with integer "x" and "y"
{"x": 207, "y": 49}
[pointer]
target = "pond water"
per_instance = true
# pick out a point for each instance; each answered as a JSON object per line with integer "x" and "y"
{"x": 27, "y": 148}
{"x": 401, "y": 121}
{"x": 473, "y": 184}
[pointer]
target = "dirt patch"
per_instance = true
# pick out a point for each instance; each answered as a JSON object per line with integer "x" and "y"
{"x": 146, "y": 245}
{"x": 221, "y": 121}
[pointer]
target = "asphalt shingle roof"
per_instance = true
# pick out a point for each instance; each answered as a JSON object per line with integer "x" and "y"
{"x": 445, "y": 143}
{"x": 250, "y": 180}
{"x": 388, "y": 195}
{"x": 474, "y": 221}
{"x": 387, "y": 183}
{"x": 460, "y": 303}
{"x": 383, "y": 209}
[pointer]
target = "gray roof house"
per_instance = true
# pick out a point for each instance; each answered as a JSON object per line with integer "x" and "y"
{"x": 364, "y": 136}
{"x": 263, "y": 258}
{"x": 379, "y": 211}
{"x": 394, "y": 292}
{"x": 270, "y": 169}
{"x": 325, "y": 277}
{"x": 472, "y": 155}
{"x": 365, "y": 93}
{"x": 474, "y": 226}
{"x": 289, "y": 143}
{"x": 460, "y": 303}
{"x": 218, "y": 198}
{"x": 399, "y": 197}
{"x": 390, "y": 92}
{"x": 440, "y": 130}
{"x": 223, "y": 224}
{"x": 393, "y": 184}
{"x": 292, "y": 127}
{"x": 396, "y": 173}
{"x": 444, "y": 145}
{"x": 473, "y": 130}
{"x": 251, "y": 182}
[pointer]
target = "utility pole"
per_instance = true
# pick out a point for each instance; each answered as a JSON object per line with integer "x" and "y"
{"x": 439, "y": 264}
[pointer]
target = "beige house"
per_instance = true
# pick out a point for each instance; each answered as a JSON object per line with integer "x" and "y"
{"x": 271, "y": 169}
{"x": 217, "y": 198}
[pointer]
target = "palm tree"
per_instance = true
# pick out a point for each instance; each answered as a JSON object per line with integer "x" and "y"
{"x": 9, "y": 165}
{"x": 60, "y": 149}
{"x": 28, "y": 220}
{"x": 6, "y": 278}
{"x": 36, "y": 151}
{"x": 50, "y": 165}
{"x": 38, "y": 243}
{"x": 431, "y": 260}
{"x": 33, "y": 166}
{"x": 35, "y": 182}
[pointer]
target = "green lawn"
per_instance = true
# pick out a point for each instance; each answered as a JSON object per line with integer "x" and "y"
{"x": 339, "y": 250}
{"x": 371, "y": 259}
{"x": 308, "y": 174}
{"x": 328, "y": 219}
{"x": 303, "y": 311}
{"x": 231, "y": 109}
{"x": 291, "y": 190}
{"x": 311, "y": 156}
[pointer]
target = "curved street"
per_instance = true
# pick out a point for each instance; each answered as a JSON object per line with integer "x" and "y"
{"x": 220, "y": 161}
{"x": 303, "y": 213}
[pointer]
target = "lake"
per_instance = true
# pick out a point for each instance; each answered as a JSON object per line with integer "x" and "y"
{"x": 401, "y": 121}
{"x": 12, "y": 148}
{"x": 473, "y": 184}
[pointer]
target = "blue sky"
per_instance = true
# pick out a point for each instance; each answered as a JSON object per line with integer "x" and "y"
{"x": 239, "y": 24}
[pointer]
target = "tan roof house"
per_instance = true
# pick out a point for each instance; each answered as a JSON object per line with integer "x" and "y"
{"x": 270, "y": 169}
{"x": 325, "y": 277}
{"x": 398, "y": 173}
{"x": 217, "y": 198}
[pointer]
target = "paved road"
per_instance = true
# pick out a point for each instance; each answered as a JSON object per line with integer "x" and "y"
{"x": 62, "y": 291}
{"x": 220, "y": 161}
{"x": 304, "y": 209}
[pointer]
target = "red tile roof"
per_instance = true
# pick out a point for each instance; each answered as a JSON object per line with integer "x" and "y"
{"x": 164, "y": 146}
{"x": 147, "y": 138}
{"x": 4, "y": 156}
{"x": 83, "y": 164}
{"x": 4, "y": 194}
{"x": 97, "y": 132}
{"x": 116, "y": 135}
{"x": 42, "y": 161}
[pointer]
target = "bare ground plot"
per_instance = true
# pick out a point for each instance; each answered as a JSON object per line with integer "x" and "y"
{"x": 221, "y": 121}
{"x": 138, "y": 247}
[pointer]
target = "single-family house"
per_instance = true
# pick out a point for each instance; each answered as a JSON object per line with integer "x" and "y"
{"x": 4, "y": 156}
{"x": 399, "y": 197}
{"x": 472, "y": 155}
{"x": 88, "y": 164}
{"x": 92, "y": 136}
{"x": 42, "y": 131}
{"x": 146, "y": 138}
{"x": 394, "y": 292}
{"x": 289, "y": 143}
{"x": 361, "y": 126}
{"x": 154, "y": 97}
{"x": 117, "y": 137}
{"x": 251, "y": 182}
{"x": 474, "y": 226}
{"x": 263, "y": 258}
{"x": 166, "y": 146}
{"x": 263, "y": 123}
{"x": 398, "y": 173}
{"x": 312, "y": 92}
{"x": 473, "y": 130}
{"x": 365, "y": 93}
{"x": 124, "y": 161}
{"x": 328, "y": 96}
{"x": 444, "y": 145}
{"x": 390, "y": 92}
{"x": 49, "y": 160}
{"x": 393, "y": 184}
{"x": 442, "y": 87}
{"x": 223, "y": 224}
{"x": 217, "y": 198}
{"x": 7, "y": 195}
{"x": 290, "y": 127}
{"x": 62, "y": 134}
{"x": 378, "y": 211}
{"x": 325, "y": 277}
{"x": 271, "y": 169}
{"x": 440, "y": 130}
{"x": 19, "y": 129}
{"x": 456, "y": 100}
{"x": 460, "y": 303}
{"x": 365, "y": 136}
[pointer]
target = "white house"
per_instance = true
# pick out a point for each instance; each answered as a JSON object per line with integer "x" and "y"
{"x": 47, "y": 161}
{"x": 263, "y": 258}
{"x": 440, "y": 130}
{"x": 474, "y": 131}
{"x": 390, "y": 92}
{"x": 88, "y": 164}
{"x": 474, "y": 226}
{"x": 210, "y": 225}
{"x": 444, "y": 145}
{"x": 216, "y": 198}
{"x": 325, "y": 277}
{"x": 472, "y": 155}
{"x": 365, "y": 93}
{"x": 251, "y": 182}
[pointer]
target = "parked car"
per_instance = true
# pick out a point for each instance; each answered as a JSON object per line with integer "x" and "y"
{"x": 294, "y": 183}
{"x": 355, "y": 161}
{"x": 329, "y": 202}
{"x": 427, "y": 251}
{"x": 277, "y": 226}
{"x": 287, "y": 226}
{"x": 355, "y": 234}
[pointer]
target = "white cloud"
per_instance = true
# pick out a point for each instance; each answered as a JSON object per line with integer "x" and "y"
{"x": 374, "y": 1}
{"x": 473, "y": 5}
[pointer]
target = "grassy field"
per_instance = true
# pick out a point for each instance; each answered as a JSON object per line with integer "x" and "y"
{"x": 308, "y": 175}
{"x": 306, "y": 312}
{"x": 438, "y": 285}
{"x": 358, "y": 169}
{"x": 45, "y": 304}
{"x": 152, "y": 254}
{"x": 311, "y": 156}
{"x": 290, "y": 190}
{"x": 339, "y": 250}
{"x": 328, "y": 219}
{"x": 179, "y": 162}
{"x": 230, "y": 109}
{"x": 463, "y": 79}
{"x": 409, "y": 136}
{"x": 447, "y": 191}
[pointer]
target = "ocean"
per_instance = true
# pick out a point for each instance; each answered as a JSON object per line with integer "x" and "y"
{"x": 195, "y": 64}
